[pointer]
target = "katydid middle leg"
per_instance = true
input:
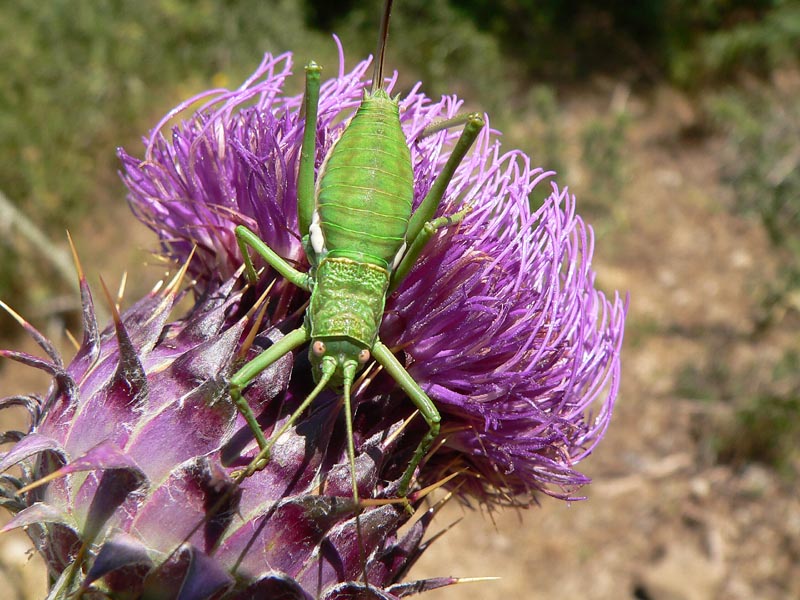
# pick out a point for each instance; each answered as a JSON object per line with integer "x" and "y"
{"x": 430, "y": 203}
{"x": 418, "y": 245}
{"x": 422, "y": 225}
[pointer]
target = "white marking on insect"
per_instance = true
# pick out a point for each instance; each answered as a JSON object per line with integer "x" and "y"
{"x": 399, "y": 256}
{"x": 316, "y": 235}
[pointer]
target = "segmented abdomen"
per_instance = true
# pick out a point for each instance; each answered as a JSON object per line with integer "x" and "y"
{"x": 366, "y": 186}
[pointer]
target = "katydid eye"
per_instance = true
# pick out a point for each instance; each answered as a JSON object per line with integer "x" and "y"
{"x": 363, "y": 356}
{"x": 318, "y": 348}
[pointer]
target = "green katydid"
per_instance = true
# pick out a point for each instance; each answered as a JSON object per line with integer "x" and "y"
{"x": 361, "y": 238}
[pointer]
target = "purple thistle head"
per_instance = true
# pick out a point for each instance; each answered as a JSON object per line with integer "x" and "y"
{"x": 499, "y": 322}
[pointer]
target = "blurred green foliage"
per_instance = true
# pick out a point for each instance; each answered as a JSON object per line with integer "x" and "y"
{"x": 754, "y": 410}
{"x": 762, "y": 166}
{"x": 688, "y": 41}
{"x": 546, "y": 141}
{"x": 758, "y": 39}
{"x": 766, "y": 431}
{"x": 79, "y": 78}
{"x": 431, "y": 41}
{"x": 83, "y": 77}
{"x": 603, "y": 146}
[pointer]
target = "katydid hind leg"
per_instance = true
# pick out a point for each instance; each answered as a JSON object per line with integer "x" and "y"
{"x": 420, "y": 399}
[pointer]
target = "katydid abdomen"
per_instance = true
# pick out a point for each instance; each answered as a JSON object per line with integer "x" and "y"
{"x": 366, "y": 187}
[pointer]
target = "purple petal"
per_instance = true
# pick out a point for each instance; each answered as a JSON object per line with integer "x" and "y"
{"x": 105, "y": 455}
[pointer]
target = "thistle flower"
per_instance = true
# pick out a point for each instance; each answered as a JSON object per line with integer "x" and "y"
{"x": 499, "y": 322}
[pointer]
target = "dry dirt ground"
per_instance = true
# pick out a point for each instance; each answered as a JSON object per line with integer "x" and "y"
{"x": 661, "y": 521}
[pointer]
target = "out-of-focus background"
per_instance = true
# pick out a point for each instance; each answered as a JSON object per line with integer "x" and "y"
{"x": 677, "y": 125}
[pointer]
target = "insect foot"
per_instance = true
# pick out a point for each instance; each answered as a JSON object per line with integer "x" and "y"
{"x": 259, "y": 463}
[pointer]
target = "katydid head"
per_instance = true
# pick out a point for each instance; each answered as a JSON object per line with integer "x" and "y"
{"x": 338, "y": 360}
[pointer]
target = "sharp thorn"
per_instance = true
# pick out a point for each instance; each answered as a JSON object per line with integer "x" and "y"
{"x": 37, "y": 335}
{"x": 72, "y": 339}
{"x": 174, "y": 285}
{"x": 114, "y": 308}
{"x": 400, "y": 429}
{"x": 75, "y": 259}
{"x": 419, "y": 494}
{"x": 121, "y": 289}
{"x": 40, "y": 482}
{"x": 158, "y": 285}
{"x": 432, "y": 540}
{"x": 475, "y": 579}
{"x": 14, "y": 315}
{"x": 251, "y": 335}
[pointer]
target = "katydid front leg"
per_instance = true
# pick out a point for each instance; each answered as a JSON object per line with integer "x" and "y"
{"x": 250, "y": 371}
